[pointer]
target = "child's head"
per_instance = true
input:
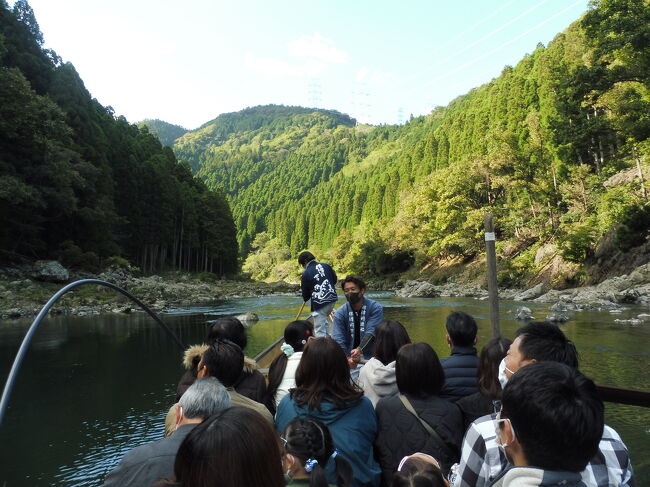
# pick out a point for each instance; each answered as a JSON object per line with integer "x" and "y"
{"x": 419, "y": 470}
{"x": 308, "y": 449}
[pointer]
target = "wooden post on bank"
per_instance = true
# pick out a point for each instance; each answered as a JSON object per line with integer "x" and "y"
{"x": 493, "y": 289}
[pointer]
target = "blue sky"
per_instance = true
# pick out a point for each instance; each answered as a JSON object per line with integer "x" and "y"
{"x": 188, "y": 61}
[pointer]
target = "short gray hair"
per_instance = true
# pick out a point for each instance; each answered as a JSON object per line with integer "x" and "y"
{"x": 204, "y": 398}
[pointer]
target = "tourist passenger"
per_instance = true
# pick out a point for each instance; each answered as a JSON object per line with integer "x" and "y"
{"x": 191, "y": 359}
{"x": 318, "y": 284}
{"x": 235, "y": 448}
{"x": 402, "y": 419}
{"x": 325, "y": 391}
{"x": 461, "y": 366}
{"x": 144, "y": 464}
{"x": 481, "y": 460}
{"x": 223, "y": 360}
{"x": 419, "y": 470}
{"x": 377, "y": 376}
{"x": 355, "y": 322}
{"x": 549, "y": 427}
{"x": 282, "y": 372}
{"x": 488, "y": 398}
{"x": 310, "y": 452}
{"x": 250, "y": 383}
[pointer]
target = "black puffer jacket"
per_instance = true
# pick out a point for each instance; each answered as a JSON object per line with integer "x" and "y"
{"x": 460, "y": 373}
{"x": 400, "y": 433}
{"x": 477, "y": 405}
{"x": 251, "y": 382}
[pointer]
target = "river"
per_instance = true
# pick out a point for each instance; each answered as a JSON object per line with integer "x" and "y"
{"x": 92, "y": 388}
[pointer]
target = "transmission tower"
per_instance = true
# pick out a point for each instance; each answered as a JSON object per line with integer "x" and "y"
{"x": 315, "y": 93}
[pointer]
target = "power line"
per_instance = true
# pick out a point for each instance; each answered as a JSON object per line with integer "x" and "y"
{"x": 453, "y": 55}
{"x": 498, "y": 48}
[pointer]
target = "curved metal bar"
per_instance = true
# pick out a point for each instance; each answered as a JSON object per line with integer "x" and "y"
{"x": 34, "y": 326}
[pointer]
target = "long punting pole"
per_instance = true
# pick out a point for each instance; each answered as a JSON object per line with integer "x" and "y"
{"x": 4, "y": 401}
{"x": 493, "y": 289}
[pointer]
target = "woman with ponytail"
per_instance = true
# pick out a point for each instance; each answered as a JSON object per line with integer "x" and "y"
{"x": 309, "y": 453}
{"x": 282, "y": 372}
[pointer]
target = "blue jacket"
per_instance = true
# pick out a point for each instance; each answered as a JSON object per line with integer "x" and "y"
{"x": 341, "y": 328}
{"x": 318, "y": 283}
{"x": 353, "y": 430}
{"x": 460, "y": 373}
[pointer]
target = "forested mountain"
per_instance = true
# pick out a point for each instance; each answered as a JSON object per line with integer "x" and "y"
{"x": 166, "y": 132}
{"x": 533, "y": 146}
{"x": 80, "y": 185}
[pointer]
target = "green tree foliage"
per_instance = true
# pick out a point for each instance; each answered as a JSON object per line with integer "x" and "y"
{"x": 80, "y": 185}
{"x": 166, "y": 132}
{"x": 533, "y": 146}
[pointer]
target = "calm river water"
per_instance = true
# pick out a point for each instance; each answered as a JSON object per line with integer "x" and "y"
{"x": 92, "y": 388}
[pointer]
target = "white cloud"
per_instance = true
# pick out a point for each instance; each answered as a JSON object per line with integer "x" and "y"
{"x": 317, "y": 53}
{"x": 317, "y": 47}
{"x": 274, "y": 68}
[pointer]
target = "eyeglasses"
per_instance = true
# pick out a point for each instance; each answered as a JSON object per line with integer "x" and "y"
{"x": 424, "y": 456}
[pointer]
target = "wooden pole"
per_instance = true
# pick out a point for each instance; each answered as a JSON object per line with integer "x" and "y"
{"x": 493, "y": 290}
{"x": 300, "y": 312}
{"x": 638, "y": 168}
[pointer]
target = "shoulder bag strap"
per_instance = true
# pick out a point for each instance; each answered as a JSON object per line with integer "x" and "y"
{"x": 409, "y": 407}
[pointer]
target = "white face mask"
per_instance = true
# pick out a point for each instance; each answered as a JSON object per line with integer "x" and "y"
{"x": 503, "y": 378}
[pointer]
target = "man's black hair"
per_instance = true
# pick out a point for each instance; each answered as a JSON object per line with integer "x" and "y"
{"x": 543, "y": 341}
{"x": 557, "y": 415}
{"x": 229, "y": 328}
{"x": 305, "y": 257}
{"x": 462, "y": 329}
{"x": 225, "y": 361}
{"x": 360, "y": 283}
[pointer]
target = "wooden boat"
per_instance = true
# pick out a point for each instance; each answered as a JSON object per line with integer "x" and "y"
{"x": 268, "y": 355}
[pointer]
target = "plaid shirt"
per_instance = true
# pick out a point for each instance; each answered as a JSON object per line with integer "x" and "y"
{"x": 482, "y": 460}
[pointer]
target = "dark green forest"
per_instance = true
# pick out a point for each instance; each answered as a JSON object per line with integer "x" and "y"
{"x": 81, "y": 185}
{"x": 166, "y": 132}
{"x": 534, "y": 146}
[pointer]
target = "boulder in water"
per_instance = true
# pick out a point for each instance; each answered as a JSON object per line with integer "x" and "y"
{"x": 418, "y": 289}
{"x": 532, "y": 293}
{"x": 248, "y": 318}
{"x": 524, "y": 314}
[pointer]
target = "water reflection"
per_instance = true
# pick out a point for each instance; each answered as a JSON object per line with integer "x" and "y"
{"x": 93, "y": 387}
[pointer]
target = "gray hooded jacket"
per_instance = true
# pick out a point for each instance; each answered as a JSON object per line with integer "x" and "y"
{"x": 378, "y": 380}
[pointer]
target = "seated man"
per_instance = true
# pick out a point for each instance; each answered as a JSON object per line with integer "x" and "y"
{"x": 146, "y": 463}
{"x": 460, "y": 367}
{"x": 550, "y": 424}
{"x": 481, "y": 460}
{"x": 224, "y": 360}
{"x": 355, "y": 322}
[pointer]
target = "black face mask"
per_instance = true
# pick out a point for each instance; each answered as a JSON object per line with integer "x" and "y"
{"x": 353, "y": 298}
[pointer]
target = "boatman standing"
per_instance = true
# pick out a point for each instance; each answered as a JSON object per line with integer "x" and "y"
{"x": 355, "y": 322}
{"x": 318, "y": 284}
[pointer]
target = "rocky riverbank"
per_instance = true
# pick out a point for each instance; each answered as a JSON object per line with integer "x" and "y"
{"x": 611, "y": 294}
{"x": 23, "y": 291}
